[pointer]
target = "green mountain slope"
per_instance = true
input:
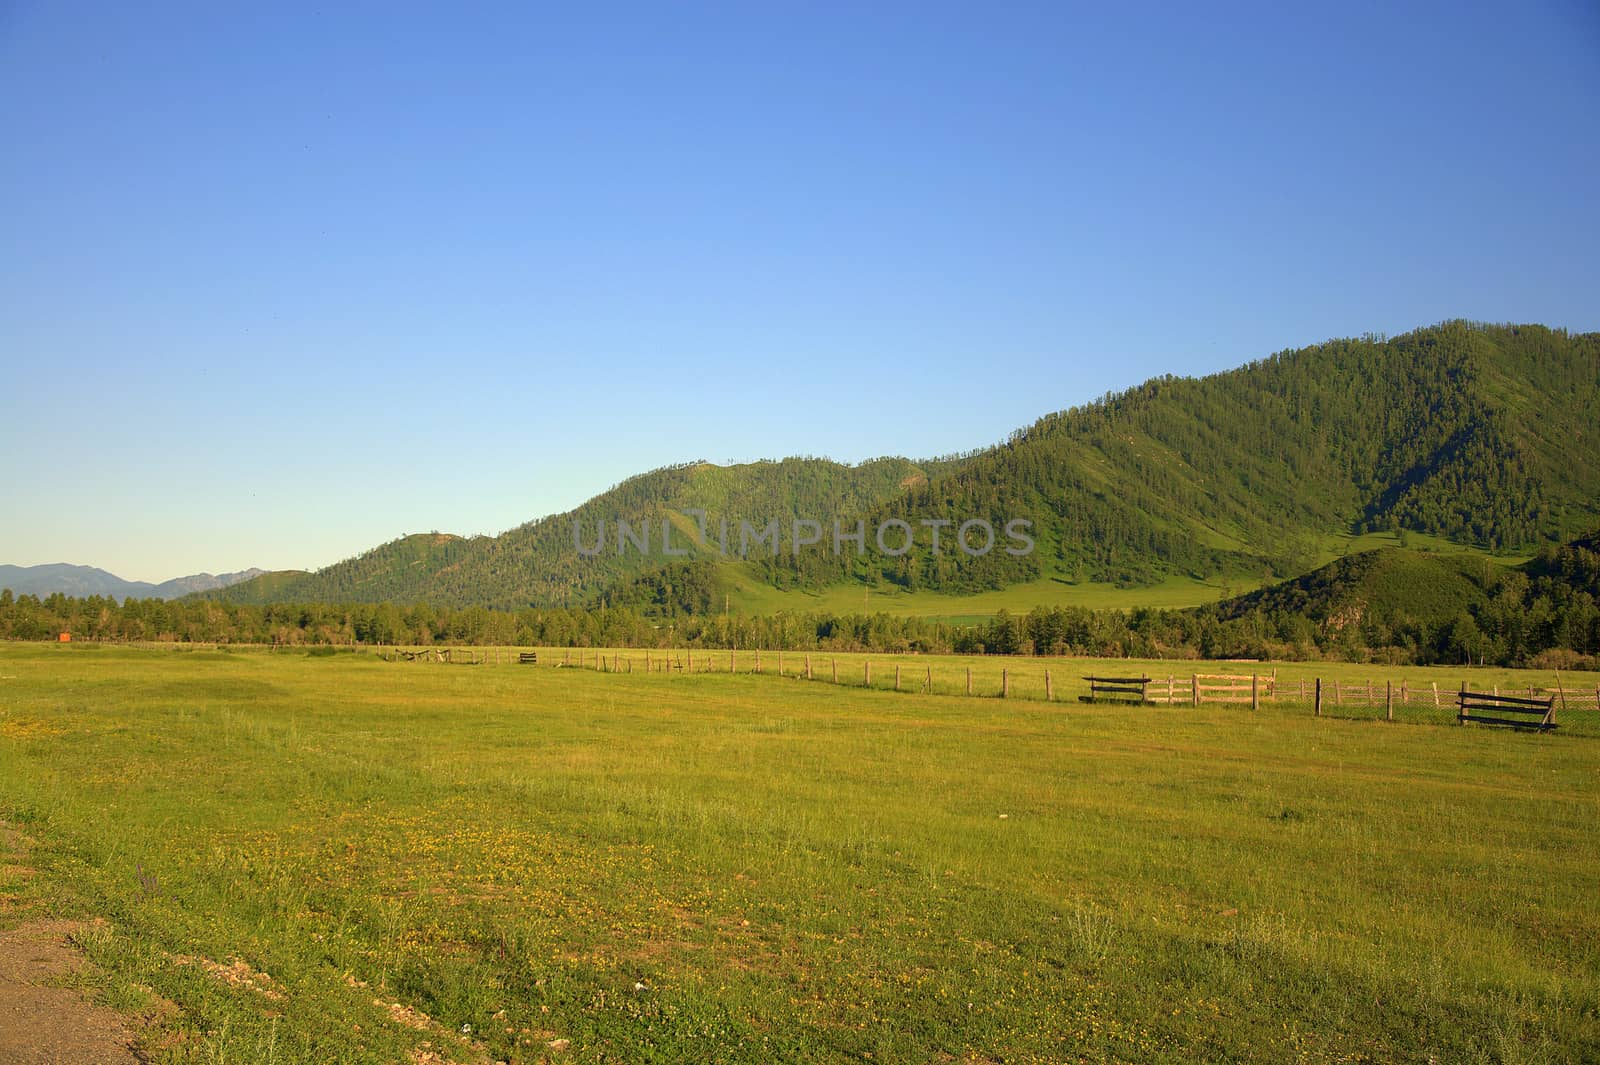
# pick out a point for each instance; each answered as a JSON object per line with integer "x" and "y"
{"x": 1426, "y": 607}
{"x": 1570, "y": 569}
{"x": 1480, "y": 435}
{"x": 538, "y": 563}
{"x": 1386, "y": 586}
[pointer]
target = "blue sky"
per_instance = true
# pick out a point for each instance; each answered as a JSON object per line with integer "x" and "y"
{"x": 280, "y": 283}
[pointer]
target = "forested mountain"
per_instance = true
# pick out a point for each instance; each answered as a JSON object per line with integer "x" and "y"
{"x": 1484, "y": 435}
{"x": 539, "y": 564}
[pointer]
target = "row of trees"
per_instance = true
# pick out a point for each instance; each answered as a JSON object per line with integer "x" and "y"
{"x": 99, "y": 618}
{"x": 1547, "y": 615}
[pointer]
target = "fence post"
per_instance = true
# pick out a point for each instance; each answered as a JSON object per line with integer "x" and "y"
{"x": 808, "y": 667}
{"x": 1338, "y": 696}
{"x": 691, "y": 661}
{"x": 1388, "y": 700}
{"x": 867, "y": 683}
{"x": 1195, "y": 680}
{"x": 1436, "y": 695}
{"x": 1317, "y": 712}
{"x": 1461, "y": 715}
{"x": 731, "y": 653}
{"x": 835, "y": 663}
{"x": 897, "y": 676}
{"x": 1255, "y": 698}
{"x": 927, "y": 682}
{"x": 758, "y": 660}
{"x": 1049, "y": 696}
{"x": 969, "y": 680}
{"x": 1005, "y": 683}
{"x": 1169, "y": 689}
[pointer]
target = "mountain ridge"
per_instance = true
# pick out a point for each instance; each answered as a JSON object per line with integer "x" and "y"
{"x": 1468, "y": 432}
{"x": 69, "y": 579}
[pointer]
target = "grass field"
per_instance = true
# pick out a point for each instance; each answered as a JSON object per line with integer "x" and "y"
{"x": 1334, "y": 546}
{"x": 1417, "y": 694}
{"x": 752, "y": 596}
{"x": 340, "y": 859}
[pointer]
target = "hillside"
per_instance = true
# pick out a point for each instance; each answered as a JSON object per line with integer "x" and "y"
{"x": 537, "y": 563}
{"x": 1383, "y": 587}
{"x": 1570, "y": 569}
{"x": 1478, "y": 435}
{"x": 1428, "y": 607}
{"x": 1471, "y": 434}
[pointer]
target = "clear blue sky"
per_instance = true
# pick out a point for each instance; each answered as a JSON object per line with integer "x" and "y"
{"x": 281, "y": 282}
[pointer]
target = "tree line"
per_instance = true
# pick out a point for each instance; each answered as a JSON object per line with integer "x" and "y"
{"x": 1546, "y": 614}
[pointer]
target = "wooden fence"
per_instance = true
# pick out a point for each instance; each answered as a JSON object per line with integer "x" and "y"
{"x": 1022, "y": 678}
{"x": 1019, "y": 678}
{"x": 1390, "y": 695}
{"x": 1030, "y": 679}
{"x": 1198, "y": 689}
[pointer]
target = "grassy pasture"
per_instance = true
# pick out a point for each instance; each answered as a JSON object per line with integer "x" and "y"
{"x": 752, "y": 596}
{"x": 1360, "y": 693}
{"x": 1334, "y": 545}
{"x": 627, "y": 867}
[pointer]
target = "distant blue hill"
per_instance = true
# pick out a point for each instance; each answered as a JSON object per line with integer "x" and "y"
{"x": 88, "y": 580}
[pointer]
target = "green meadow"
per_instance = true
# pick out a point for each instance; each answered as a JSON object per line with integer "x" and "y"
{"x": 750, "y": 595}
{"x": 336, "y": 858}
{"x": 1416, "y": 694}
{"x": 1333, "y": 545}
{"x": 753, "y": 597}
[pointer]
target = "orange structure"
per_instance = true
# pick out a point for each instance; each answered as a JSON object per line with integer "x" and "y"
{"x": 65, "y": 637}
